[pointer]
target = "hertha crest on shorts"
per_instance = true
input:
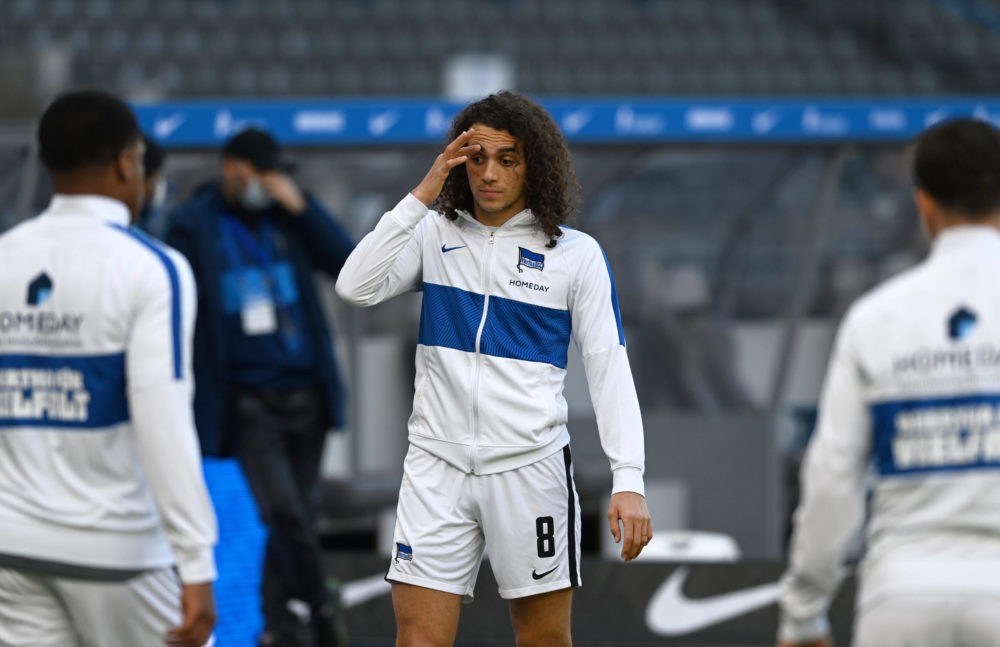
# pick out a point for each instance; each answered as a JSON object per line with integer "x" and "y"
{"x": 404, "y": 552}
{"x": 528, "y": 258}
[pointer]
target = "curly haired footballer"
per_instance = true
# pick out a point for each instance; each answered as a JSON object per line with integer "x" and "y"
{"x": 551, "y": 188}
{"x": 501, "y": 304}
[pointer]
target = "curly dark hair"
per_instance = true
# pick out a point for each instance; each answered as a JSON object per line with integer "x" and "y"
{"x": 551, "y": 188}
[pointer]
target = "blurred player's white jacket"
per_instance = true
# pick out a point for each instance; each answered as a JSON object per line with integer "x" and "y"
{"x": 99, "y": 460}
{"x": 913, "y": 387}
{"x": 499, "y": 311}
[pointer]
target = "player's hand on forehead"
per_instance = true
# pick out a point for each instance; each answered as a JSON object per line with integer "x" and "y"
{"x": 455, "y": 153}
{"x": 492, "y": 141}
{"x": 462, "y": 145}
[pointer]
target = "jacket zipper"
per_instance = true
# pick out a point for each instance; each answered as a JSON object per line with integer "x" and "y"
{"x": 487, "y": 282}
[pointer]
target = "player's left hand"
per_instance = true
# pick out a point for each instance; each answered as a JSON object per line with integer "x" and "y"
{"x": 198, "y": 604}
{"x": 631, "y": 525}
{"x": 284, "y": 190}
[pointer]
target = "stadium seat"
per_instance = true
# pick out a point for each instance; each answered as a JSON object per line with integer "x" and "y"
{"x": 716, "y": 47}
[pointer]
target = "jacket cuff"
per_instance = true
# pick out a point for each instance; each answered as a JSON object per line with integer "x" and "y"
{"x": 409, "y": 211}
{"x": 196, "y": 565}
{"x": 798, "y": 630}
{"x": 627, "y": 479}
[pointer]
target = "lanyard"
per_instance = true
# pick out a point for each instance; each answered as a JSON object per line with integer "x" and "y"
{"x": 235, "y": 235}
{"x": 261, "y": 249}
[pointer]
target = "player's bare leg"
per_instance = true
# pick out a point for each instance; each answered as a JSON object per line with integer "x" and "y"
{"x": 425, "y": 617}
{"x": 543, "y": 620}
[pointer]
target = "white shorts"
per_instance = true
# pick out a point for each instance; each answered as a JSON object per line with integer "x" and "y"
{"x": 49, "y": 611}
{"x": 527, "y": 520}
{"x": 929, "y": 621}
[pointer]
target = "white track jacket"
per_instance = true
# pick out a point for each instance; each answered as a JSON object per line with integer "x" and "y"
{"x": 499, "y": 310}
{"x": 99, "y": 461}
{"x": 913, "y": 388}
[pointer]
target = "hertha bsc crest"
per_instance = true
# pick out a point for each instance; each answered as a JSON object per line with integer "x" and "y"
{"x": 528, "y": 258}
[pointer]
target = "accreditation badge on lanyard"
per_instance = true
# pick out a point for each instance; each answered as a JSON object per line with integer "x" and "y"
{"x": 258, "y": 310}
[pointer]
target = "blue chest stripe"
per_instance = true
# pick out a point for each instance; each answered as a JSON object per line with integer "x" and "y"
{"x": 516, "y": 330}
{"x": 937, "y": 435}
{"x": 449, "y": 317}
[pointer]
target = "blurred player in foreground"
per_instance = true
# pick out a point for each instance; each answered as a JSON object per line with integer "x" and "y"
{"x": 106, "y": 528}
{"x": 505, "y": 289}
{"x": 913, "y": 387}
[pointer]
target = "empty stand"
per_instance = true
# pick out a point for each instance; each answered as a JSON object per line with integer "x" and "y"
{"x": 654, "y": 47}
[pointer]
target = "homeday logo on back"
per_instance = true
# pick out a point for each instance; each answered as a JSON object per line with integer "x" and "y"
{"x": 37, "y": 388}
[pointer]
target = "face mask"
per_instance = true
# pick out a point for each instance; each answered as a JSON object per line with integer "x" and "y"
{"x": 254, "y": 197}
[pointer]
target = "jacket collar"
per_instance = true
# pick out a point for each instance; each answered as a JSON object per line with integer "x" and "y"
{"x": 96, "y": 207}
{"x": 960, "y": 237}
{"x": 522, "y": 220}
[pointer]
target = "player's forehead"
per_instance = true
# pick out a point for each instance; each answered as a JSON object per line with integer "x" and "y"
{"x": 493, "y": 140}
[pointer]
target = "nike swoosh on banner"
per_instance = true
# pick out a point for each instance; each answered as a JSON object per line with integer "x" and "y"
{"x": 671, "y": 613}
{"x": 445, "y": 249}
{"x": 164, "y": 127}
{"x": 379, "y": 124}
{"x": 360, "y": 591}
{"x": 538, "y": 576}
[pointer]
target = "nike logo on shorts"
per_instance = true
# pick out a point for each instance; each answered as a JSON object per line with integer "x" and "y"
{"x": 537, "y": 576}
{"x": 445, "y": 249}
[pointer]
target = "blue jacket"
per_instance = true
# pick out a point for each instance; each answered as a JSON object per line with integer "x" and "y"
{"x": 315, "y": 242}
